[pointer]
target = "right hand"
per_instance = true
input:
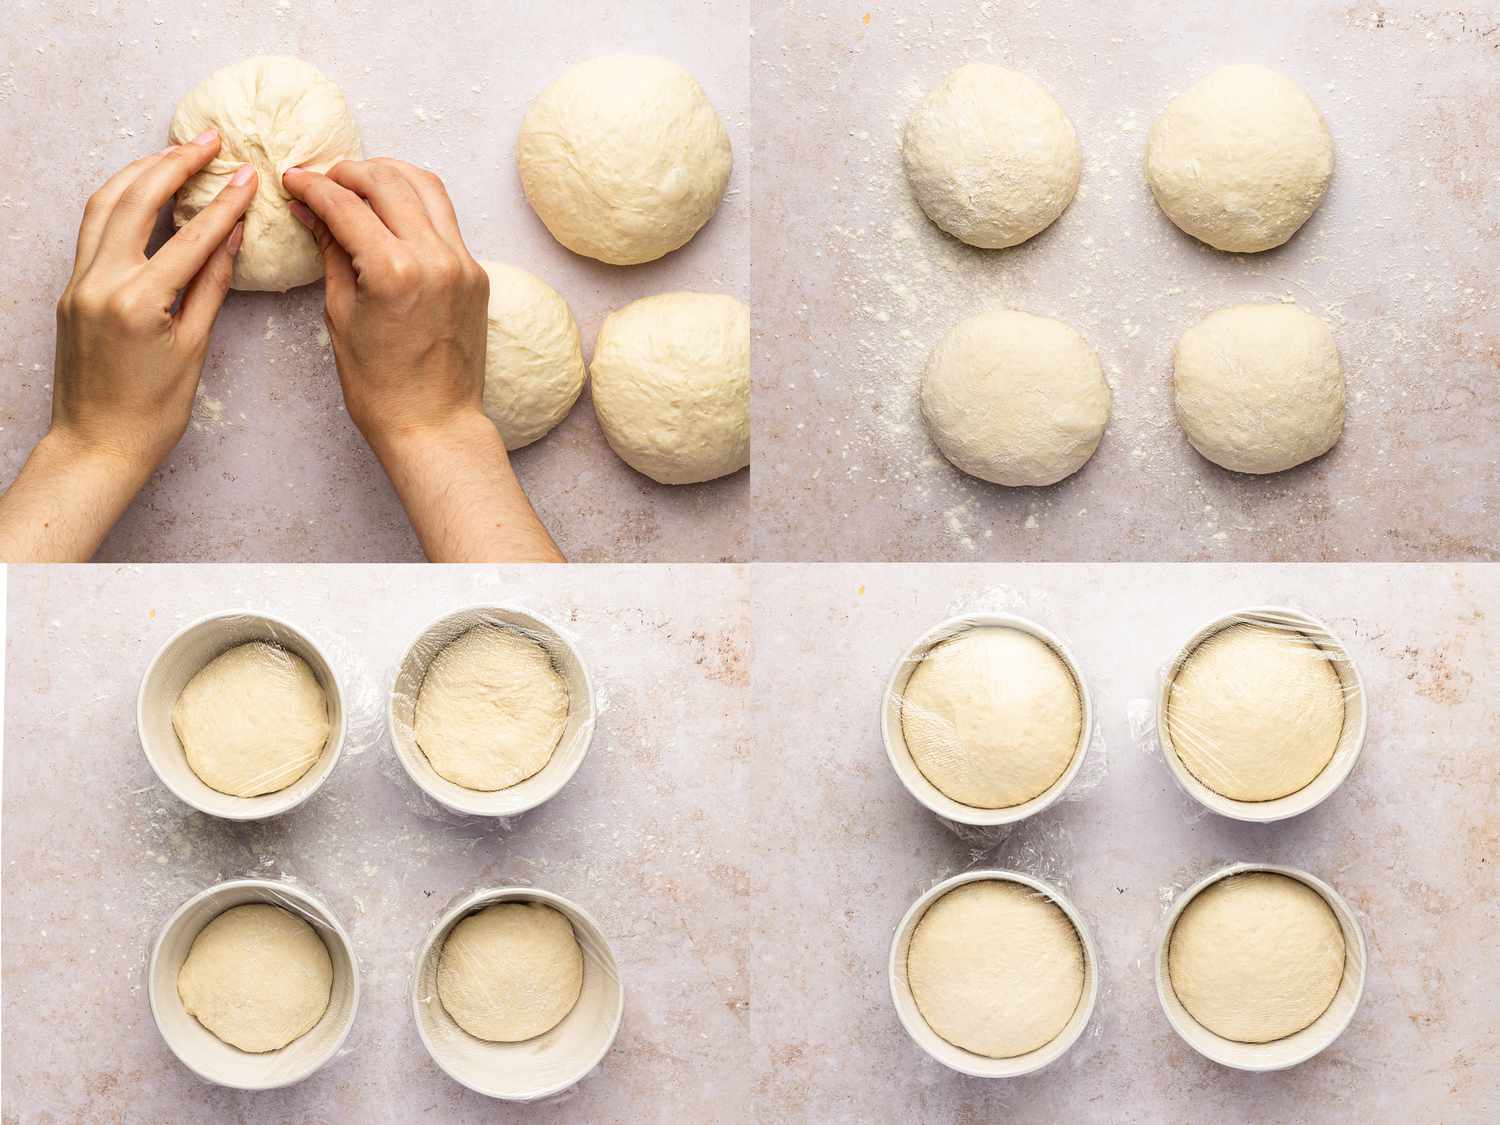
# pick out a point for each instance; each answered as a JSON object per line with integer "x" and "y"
{"x": 405, "y": 300}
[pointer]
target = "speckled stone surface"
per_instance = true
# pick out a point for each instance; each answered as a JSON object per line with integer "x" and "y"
{"x": 649, "y": 837}
{"x": 1411, "y": 840}
{"x": 854, "y": 287}
{"x": 271, "y": 469}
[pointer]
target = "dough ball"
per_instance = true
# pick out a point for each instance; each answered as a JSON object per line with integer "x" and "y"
{"x": 623, "y": 158}
{"x": 253, "y": 720}
{"x": 257, "y": 976}
{"x": 533, "y": 360}
{"x": 1259, "y": 388}
{"x": 995, "y": 968}
{"x": 276, "y": 113}
{"x": 510, "y": 972}
{"x": 1015, "y": 399}
{"x": 991, "y": 157}
{"x": 1255, "y": 713}
{"x": 491, "y": 709}
{"x": 1241, "y": 160}
{"x": 992, "y": 717}
{"x": 671, "y": 385}
{"x": 1256, "y": 957}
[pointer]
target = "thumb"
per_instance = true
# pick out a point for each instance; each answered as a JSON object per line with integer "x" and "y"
{"x": 338, "y": 269}
{"x": 204, "y": 294}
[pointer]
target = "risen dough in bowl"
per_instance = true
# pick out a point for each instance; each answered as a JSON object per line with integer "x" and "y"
{"x": 1015, "y": 399}
{"x": 276, "y": 113}
{"x": 992, "y": 717}
{"x": 1255, "y": 713}
{"x": 510, "y": 972}
{"x": 995, "y": 968}
{"x": 1256, "y": 957}
{"x": 252, "y": 721}
{"x": 257, "y": 976}
{"x": 491, "y": 709}
{"x": 623, "y": 158}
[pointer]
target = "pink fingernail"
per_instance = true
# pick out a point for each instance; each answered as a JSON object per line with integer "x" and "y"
{"x": 242, "y": 176}
{"x": 236, "y": 236}
{"x": 207, "y": 137}
{"x": 304, "y": 216}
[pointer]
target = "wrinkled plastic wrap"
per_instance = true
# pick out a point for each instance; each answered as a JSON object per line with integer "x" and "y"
{"x": 549, "y": 1067}
{"x": 927, "y": 747}
{"x": 433, "y": 796}
{"x": 1078, "y": 1031}
{"x": 210, "y": 1058}
{"x": 1259, "y": 716}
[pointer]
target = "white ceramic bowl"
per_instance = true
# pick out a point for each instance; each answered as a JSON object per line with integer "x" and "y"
{"x": 1281, "y": 1053}
{"x": 204, "y": 1053}
{"x": 967, "y": 1062}
{"x": 535, "y": 1068}
{"x": 895, "y": 739}
{"x": 179, "y": 660}
{"x": 1351, "y": 741}
{"x": 577, "y": 734}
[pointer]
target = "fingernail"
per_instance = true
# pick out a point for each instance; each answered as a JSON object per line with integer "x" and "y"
{"x": 290, "y": 171}
{"x": 304, "y": 216}
{"x": 236, "y": 236}
{"x": 242, "y": 176}
{"x": 207, "y": 137}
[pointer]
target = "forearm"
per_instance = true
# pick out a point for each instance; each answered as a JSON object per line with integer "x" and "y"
{"x": 65, "y": 500}
{"x": 461, "y": 495}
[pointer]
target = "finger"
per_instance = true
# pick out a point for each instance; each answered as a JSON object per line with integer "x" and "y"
{"x": 183, "y": 255}
{"x": 348, "y": 217}
{"x": 134, "y": 216}
{"x": 386, "y": 190}
{"x": 205, "y": 292}
{"x": 338, "y": 270}
{"x": 434, "y": 196}
{"x": 97, "y": 210}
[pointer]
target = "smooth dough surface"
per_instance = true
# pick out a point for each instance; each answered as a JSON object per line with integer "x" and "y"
{"x": 257, "y": 976}
{"x": 1241, "y": 160}
{"x": 533, "y": 359}
{"x": 491, "y": 709}
{"x": 671, "y": 385}
{"x": 991, "y": 156}
{"x": 623, "y": 158}
{"x": 510, "y": 972}
{"x": 252, "y": 720}
{"x": 276, "y": 113}
{"x": 1256, "y": 957}
{"x": 1259, "y": 388}
{"x": 992, "y": 717}
{"x": 1255, "y": 713}
{"x": 996, "y": 968}
{"x": 1015, "y": 399}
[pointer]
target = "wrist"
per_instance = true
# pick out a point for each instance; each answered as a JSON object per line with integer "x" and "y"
{"x": 110, "y": 462}
{"x": 464, "y": 429}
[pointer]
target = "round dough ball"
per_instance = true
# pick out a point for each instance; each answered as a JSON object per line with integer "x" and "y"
{"x": 510, "y": 972}
{"x": 253, "y": 720}
{"x": 1241, "y": 160}
{"x": 276, "y": 113}
{"x": 1256, "y": 957}
{"x": 995, "y": 968}
{"x": 623, "y": 158}
{"x": 992, "y": 717}
{"x": 1255, "y": 713}
{"x": 257, "y": 976}
{"x": 1015, "y": 399}
{"x": 1259, "y": 388}
{"x": 491, "y": 709}
{"x": 533, "y": 359}
{"x": 991, "y": 157}
{"x": 671, "y": 385}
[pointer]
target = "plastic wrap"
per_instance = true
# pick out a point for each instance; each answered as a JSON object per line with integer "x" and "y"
{"x": 1065, "y": 1032}
{"x": 549, "y": 1066}
{"x": 202, "y": 1052}
{"x": 1290, "y": 1050}
{"x": 437, "y": 798}
{"x": 1051, "y": 774}
{"x": 1259, "y": 716}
